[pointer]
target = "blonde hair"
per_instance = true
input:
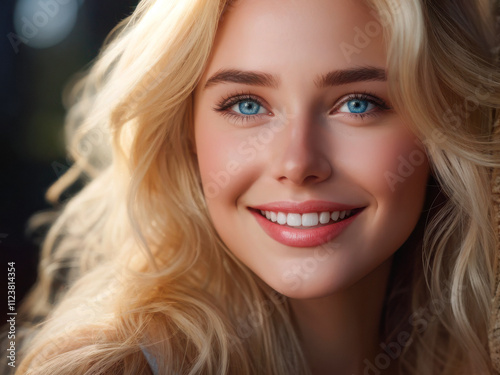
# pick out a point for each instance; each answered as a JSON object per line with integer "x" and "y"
{"x": 442, "y": 57}
{"x": 146, "y": 266}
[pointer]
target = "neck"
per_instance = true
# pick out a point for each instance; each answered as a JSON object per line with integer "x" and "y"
{"x": 341, "y": 332}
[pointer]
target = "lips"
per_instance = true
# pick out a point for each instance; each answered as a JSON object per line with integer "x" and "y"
{"x": 304, "y": 224}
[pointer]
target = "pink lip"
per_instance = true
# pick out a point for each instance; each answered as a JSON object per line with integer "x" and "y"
{"x": 303, "y": 237}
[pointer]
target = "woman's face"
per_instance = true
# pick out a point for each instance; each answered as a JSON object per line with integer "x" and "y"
{"x": 292, "y": 118}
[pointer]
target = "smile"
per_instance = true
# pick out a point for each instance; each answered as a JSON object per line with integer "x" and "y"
{"x": 305, "y": 224}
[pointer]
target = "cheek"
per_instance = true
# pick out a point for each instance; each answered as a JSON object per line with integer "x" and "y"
{"x": 216, "y": 163}
{"x": 389, "y": 166}
{"x": 227, "y": 160}
{"x": 393, "y": 170}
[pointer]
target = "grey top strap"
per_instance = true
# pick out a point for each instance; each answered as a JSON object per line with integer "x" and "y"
{"x": 151, "y": 360}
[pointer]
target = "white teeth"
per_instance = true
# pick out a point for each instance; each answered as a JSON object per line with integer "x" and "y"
{"x": 335, "y": 215}
{"x": 324, "y": 218}
{"x": 294, "y": 220}
{"x": 310, "y": 219}
{"x": 281, "y": 218}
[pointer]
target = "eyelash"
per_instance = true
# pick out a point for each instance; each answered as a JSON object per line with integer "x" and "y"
{"x": 226, "y": 103}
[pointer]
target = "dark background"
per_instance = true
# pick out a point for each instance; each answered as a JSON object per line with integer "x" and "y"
{"x": 32, "y": 150}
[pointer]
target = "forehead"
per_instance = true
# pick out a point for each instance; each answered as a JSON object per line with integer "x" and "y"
{"x": 272, "y": 35}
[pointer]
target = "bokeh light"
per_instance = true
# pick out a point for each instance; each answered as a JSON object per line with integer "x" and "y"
{"x": 44, "y": 23}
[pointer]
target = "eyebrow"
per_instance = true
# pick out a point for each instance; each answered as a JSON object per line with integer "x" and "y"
{"x": 345, "y": 76}
{"x": 244, "y": 77}
{"x": 333, "y": 78}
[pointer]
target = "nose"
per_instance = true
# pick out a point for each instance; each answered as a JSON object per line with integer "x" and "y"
{"x": 301, "y": 159}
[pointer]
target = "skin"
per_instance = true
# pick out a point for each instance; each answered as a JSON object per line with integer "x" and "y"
{"x": 305, "y": 145}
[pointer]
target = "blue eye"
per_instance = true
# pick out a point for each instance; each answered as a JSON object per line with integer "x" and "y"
{"x": 248, "y": 108}
{"x": 357, "y": 106}
{"x": 243, "y": 108}
{"x": 360, "y": 105}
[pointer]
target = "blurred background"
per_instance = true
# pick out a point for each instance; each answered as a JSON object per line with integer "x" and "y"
{"x": 43, "y": 44}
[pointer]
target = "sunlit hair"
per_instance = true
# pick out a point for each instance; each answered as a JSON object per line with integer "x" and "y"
{"x": 442, "y": 57}
{"x": 145, "y": 264}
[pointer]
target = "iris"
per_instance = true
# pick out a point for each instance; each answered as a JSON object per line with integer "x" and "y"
{"x": 249, "y": 107}
{"x": 357, "y": 106}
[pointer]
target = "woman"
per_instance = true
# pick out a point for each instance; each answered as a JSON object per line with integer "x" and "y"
{"x": 292, "y": 187}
